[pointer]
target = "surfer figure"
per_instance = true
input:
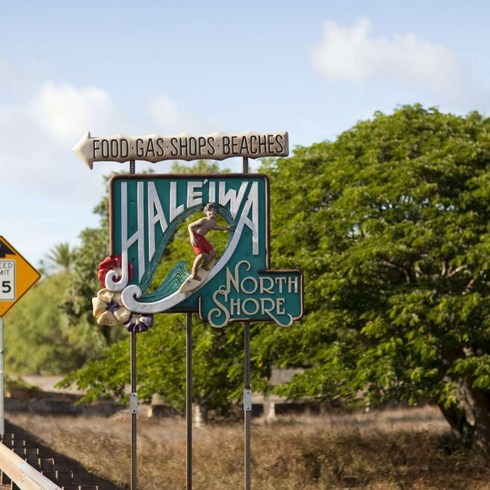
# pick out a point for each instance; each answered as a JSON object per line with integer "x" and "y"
{"x": 202, "y": 248}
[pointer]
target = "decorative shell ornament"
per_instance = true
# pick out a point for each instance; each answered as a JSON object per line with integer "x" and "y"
{"x": 108, "y": 308}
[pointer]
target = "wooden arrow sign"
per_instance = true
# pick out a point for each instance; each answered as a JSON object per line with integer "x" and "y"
{"x": 154, "y": 148}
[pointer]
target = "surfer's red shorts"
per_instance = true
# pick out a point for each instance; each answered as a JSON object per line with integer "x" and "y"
{"x": 202, "y": 245}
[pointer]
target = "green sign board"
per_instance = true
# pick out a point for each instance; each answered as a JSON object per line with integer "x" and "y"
{"x": 147, "y": 211}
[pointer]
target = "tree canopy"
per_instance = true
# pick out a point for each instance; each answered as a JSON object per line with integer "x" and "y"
{"x": 390, "y": 225}
{"x": 59, "y": 258}
{"x": 39, "y": 338}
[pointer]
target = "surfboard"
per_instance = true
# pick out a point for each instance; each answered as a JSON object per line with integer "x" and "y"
{"x": 190, "y": 284}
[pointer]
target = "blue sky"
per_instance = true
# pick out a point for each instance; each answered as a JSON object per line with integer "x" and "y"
{"x": 312, "y": 68}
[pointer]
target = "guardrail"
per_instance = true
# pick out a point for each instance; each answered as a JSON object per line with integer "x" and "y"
{"x": 23, "y": 474}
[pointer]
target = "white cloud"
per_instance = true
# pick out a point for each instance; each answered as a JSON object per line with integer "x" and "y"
{"x": 355, "y": 55}
{"x": 67, "y": 112}
{"x": 170, "y": 119}
{"x": 37, "y": 134}
{"x": 7, "y": 75}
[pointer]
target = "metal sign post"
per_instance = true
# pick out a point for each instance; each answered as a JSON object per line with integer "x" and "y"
{"x": 2, "y": 386}
{"x": 247, "y": 391}
{"x": 188, "y": 400}
{"x": 247, "y": 405}
{"x": 133, "y": 405}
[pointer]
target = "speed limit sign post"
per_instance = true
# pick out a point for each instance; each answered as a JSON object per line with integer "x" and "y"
{"x": 17, "y": 276}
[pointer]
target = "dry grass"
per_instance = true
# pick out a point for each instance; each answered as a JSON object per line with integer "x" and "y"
{"x": 393, "y": 449}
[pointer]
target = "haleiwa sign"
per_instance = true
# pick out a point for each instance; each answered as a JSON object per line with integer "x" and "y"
{"x": 146, "y": 211}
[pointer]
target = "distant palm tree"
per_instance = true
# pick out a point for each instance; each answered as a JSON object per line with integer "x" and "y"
{"x": 60, "y": 258}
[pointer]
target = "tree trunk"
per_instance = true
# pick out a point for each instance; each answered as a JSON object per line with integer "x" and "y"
{"x": 471, "y": 419}
{"x": 458, "y": 420}
{"x": 480, "y": 401}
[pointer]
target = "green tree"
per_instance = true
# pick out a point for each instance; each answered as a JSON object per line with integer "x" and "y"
{"x": 84, "y": 284}
{"x": 199, "y": 167}
{"x": 38, "y": 338}
{"x": 59, "y": 258}
{"x": 217, "y": 361}
{"x": 390, "y": 225}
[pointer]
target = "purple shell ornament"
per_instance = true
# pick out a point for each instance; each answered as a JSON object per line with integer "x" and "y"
{"x": 138, "y": 323}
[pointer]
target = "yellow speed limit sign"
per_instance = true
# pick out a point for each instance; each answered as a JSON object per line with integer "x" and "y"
{"x": 17, "y": 276}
